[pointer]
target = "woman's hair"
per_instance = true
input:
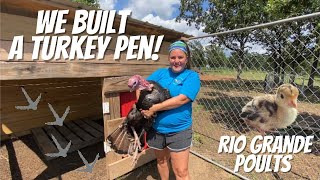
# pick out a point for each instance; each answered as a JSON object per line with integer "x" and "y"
{"x": 182, "y": 45}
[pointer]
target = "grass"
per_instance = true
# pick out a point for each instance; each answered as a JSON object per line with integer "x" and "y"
{"x": 197, "y": 138}
{"x": 198, "y": 107}
{"x": 259, "y": 75}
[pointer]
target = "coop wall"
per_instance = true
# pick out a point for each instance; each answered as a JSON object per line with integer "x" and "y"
{"x": 82, "y": 95}
{"x": 61, "y": 83}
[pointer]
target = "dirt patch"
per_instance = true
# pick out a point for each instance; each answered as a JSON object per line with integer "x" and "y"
{"x": 198, "y": 168}
{"x": 215, "y": 77}
{"x": 216, "y": 114}
{"x": 21, "y": 159}
{"x": 304, "y": 166}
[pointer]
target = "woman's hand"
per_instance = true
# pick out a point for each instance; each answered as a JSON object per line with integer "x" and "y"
{"x": 148, "y": 113}
{"x": 168, "y": 104}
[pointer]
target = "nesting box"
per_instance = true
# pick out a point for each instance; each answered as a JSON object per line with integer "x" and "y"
{"x": 116, "y": 106}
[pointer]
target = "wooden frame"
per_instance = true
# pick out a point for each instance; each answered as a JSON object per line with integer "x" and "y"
{"x": 117, "y": 165}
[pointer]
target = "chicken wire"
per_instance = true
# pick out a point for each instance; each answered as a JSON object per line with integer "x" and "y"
{"x": 235, "y": 66}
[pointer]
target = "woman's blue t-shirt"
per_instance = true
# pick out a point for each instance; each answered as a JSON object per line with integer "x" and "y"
{"x": 187, "y": 83}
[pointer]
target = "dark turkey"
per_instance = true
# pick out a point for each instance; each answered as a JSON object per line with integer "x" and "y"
{"x": 127, "y": 137}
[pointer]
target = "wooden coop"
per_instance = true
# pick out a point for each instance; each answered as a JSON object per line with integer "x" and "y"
{"x": 92, "y": 89}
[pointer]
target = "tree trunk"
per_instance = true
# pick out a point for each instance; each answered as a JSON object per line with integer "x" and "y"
{"x": 277, "y": 67}
{"x": 239, "y": 69}
{"x": 282, "y": 71}
{"x": 314, "y": 68}
{"x": 241, "y": 63}
{"x": 313, "y": 73}
{"x": 293, "y": 72}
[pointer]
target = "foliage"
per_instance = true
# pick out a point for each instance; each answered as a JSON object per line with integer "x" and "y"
{"x": 198, "y": 54}
{"x": 291, "y": 44}
{"x": 292, "y": 48}
{"x": 213, "y": 56}
{"x": 92, "y": 3}
{"x": 222, "y": 16}
{"x": 216, "y": 57}
{"x": 209, "y": 56}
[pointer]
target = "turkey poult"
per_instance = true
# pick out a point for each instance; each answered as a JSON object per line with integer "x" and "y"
{"x": 270, "y": 112}
{"x": 126, "y": 138}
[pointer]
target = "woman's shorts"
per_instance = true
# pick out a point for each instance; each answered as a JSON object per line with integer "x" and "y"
{"x": 176, "y": 142}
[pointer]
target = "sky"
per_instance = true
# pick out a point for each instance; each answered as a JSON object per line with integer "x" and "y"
{"x": 162, "y": 13}
{"x": 158, "y": 12}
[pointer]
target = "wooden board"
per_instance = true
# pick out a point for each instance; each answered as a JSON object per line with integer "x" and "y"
{"x": 83, "y": 95}
{"x": 112, "y": 99}
{"x": 111, "y": 125}
{"x": 31, "y": 70}
{"x": 91, "y": 130}
{"x": 53, "y": 81}
{"x": 118, "y": 84}
{"x": 115, "y": 105}
{"x": 42, "y": 138}
{"x": 123, "y": 166}
{"x": 30, "y": 119}
{"x": 81, "y": 133}
{"x": 108, "y": 58}
{"x": 11, "y": 114}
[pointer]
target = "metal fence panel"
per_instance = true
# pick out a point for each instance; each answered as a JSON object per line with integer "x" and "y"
{"x": 238, "y": 65}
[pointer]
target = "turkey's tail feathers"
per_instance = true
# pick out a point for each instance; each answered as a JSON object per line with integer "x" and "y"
{"x": 124, "y": 142}
{"x": 121, "y": 139}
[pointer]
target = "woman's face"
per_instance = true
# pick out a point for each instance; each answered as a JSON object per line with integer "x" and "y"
{"x": 178, "y": 60}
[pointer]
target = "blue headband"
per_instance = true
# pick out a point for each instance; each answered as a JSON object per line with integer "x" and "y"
{"x": 179, "y": 45}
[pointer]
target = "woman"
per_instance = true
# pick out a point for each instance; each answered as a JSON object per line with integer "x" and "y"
{"x": 171, "y": 134}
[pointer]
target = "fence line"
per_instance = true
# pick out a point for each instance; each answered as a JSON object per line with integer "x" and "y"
{"x": 230, "y": 78}
{"x": 264, "y": 25}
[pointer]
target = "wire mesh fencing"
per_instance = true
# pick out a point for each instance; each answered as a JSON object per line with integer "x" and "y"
{"x": 236, "y": 66}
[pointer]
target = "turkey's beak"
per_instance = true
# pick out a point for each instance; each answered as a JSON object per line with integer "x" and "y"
{"x": 150, "y": 87}
{"x": 132, "y": 88}
{"x": 293, "y": 103}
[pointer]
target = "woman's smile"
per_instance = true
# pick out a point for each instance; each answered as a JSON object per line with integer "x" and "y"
{"x": 178, "y": 60}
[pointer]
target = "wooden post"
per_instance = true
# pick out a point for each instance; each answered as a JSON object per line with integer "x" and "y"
{"x": 117, "y": 165}
{"x": 107, "y": 101}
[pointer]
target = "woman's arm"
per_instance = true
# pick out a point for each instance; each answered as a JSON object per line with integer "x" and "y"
{"x": 168, "y": 104}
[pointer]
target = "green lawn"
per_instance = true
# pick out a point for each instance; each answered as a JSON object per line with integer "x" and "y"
{"x": 258, "y": 75}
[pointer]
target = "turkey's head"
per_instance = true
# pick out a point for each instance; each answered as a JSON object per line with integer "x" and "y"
{"x": 137, "y": 82}
{"x": 287, "y": 95}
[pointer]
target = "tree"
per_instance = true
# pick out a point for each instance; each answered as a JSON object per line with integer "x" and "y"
{"x": 198, "y": 54}
{"x": 225, "y": 15}
{"x": 216, "y": 57}
{"x": 315, "y": 65}
{"x": 255, "y": 61}
{"x": 92, "y": 3}
{"x": 315, "y": 70}
{"x": 289, "y": 43}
